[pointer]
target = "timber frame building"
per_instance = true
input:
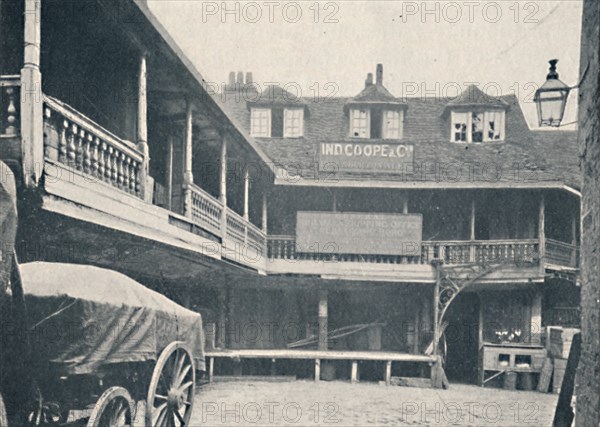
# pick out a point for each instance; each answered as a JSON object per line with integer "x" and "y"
{"x": 351, "y": 230}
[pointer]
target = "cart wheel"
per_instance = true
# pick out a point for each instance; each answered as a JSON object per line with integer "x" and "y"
{"x": 171, "y": 391}
{"x": 113, "y": 409}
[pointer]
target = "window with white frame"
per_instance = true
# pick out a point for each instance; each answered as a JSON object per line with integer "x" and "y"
{"x": 260, "y": 122}
{"x": 360, "y": 123}
{"x": 477, "y": 127}
{"x": 293, "y": 122}
{"x": 392, "y": 124}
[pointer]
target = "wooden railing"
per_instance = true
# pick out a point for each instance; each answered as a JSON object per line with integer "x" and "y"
{"x": 455, "y": 252}
{"x": 244, "y": 232}
{"x": 9, "y": 105}
{"x": 560, "y": 253}
{"x": 206, "y": 211}
{"x": 82, "y": 144}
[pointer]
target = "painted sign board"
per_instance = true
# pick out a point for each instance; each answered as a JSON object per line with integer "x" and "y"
{"x": 365, "y": 156}
{"x": 359, "y": 233}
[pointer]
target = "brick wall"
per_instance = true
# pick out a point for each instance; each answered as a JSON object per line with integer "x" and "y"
{"x": 588, "y": 391}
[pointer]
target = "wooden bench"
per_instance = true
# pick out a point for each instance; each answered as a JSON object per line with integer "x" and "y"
{"x": 319, "y": 355}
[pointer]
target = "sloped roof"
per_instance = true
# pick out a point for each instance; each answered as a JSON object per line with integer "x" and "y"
{"x": 276, "y": 95}
{"x": 526, "y": 158}
{"x": 375, "y": 92}
{"x": 473, "y": 96}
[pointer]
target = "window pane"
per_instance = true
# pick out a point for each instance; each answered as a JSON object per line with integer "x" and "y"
{"x": 359, "y": 123}
{"x": 477, "y": 127}
{"x": 459, "y": 127}
{"x": 391, "y": 125}
{"x": 293, "y": 123}
{"x": 494, "y": 123}
{"x": 260, "y": 122}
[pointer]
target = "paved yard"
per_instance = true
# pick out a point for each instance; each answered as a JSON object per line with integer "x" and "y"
{"x": 305, "y": 403}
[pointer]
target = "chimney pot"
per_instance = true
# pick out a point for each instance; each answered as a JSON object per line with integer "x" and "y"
{"x": 240, "y": 78}
{"x": 369, "y": 81}
{"x": 249, "y": 79}
{"x": 379, "y": 74}
{"x": 231, "y": 83}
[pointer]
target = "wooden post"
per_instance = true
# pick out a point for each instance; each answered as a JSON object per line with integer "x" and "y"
{"x": 211, "y": 368}
{"x": 32, "y": 120}
{"x": 436, "y": 308}
{"x": 405, "y": 206}
{"x": 170, "y": 173}
{"x": 221, "y": 329}
{"x": 246, "y": 194}
{"x": 535, "y": 327}
{"x": 188, "y": 175}
{"x": 574, "y": 241}
{"x": 542, "y": 233}
{"x": 264, "y": 213}
{"x": 354, "y": 373}
{"x": 323, "y": 314}
{"x": 334, "y": 206}
{"x": 223, "y": 187}
{"x": 417, "y": 328}
{"x": 142, "y": 126}
{"x": 317, "y": 369}
{"x": 388, "y": 372}
{"x": 472, "y": 250}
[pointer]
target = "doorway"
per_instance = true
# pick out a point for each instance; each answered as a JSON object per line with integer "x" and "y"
{"x": 462, "y": 339}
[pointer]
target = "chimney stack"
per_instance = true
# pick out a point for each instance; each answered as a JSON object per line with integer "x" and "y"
{"x": 231, "y": 83}
{"x": 240, "y": 78}
{"x": 249, "y": 79}
{"x": 369, "y": 81}
{"x": 379, "y": 80}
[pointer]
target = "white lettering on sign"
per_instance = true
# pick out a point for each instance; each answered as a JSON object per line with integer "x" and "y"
{"x": 367, "y": 150}
{"x": 359, "y": 156}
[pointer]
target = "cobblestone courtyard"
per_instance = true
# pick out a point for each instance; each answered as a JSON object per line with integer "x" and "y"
{"x": 305, "y": 403}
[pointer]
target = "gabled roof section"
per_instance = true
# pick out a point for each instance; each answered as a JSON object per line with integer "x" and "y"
{"x": 376, "y": 93}
{"x": 276, "y": 96}
{"x": 473, "y": 97}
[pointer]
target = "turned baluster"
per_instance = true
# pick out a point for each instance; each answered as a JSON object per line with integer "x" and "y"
{"x": 63, "y": 143}
{"x": 101, "y": 159}
{"x": 95, "y": 159}
{"x": 71, "y": 147}
{"x": 109, "y": 165}
{"x": 49, "y": 151}
{"x": 79, "y": 153}
{"x": 120, "y": 173}
{"x": 127, "y": 176}
{"x": 11, "y": 110}
{"x": 87, "y": 153}
{"x": 113, "y": 165}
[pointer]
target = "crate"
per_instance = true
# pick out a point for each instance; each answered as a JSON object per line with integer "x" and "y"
{"x": 559, "y": 340}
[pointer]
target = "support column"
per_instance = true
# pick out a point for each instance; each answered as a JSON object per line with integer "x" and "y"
{"x": 472, "y": 250}
{"x": 246, "y": 194}
{"x": 535, "y": 327}
{"x": 142, "y": 127}
{"x": 223, "y": 187}
{"x": 264, "y": 213}
{"x": 334, "y": 205}
{"x": 542, "y": 233}
{"x": 574, "y": 241}
{"x": 169, "y": 173}
{"x": 405, "y": 206}
{"x": 32, "y": 120}
{"x": 323, "y": 315}
{"x": 436, "y": 307}
{"x": 221, "y": 327}
{"x": 188, "y": 175}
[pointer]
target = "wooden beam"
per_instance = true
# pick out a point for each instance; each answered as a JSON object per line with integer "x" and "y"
{"x": 188, "y": 176}
{"x": 264, "y": 213}
{"x": 323, "y": 320}
{"x": 31, "y": 115}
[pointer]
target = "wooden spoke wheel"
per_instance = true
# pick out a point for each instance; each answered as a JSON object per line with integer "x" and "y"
{"x": 171, "y": 392}
{"x": 113, "y": 409}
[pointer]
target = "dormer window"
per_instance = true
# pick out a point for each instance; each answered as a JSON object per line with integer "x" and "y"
{"x": 293, "y": 122}
{"x": 477, "y": 126}
{"x": 277, "y": 122}
{"x": 360, "y": 123}
{"x": 375, "y": 123}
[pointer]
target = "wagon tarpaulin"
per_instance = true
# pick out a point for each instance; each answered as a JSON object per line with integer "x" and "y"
{"x": 83, "y": 318}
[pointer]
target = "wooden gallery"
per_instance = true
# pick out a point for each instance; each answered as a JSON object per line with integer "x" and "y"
{"x": 366, "y": 238}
